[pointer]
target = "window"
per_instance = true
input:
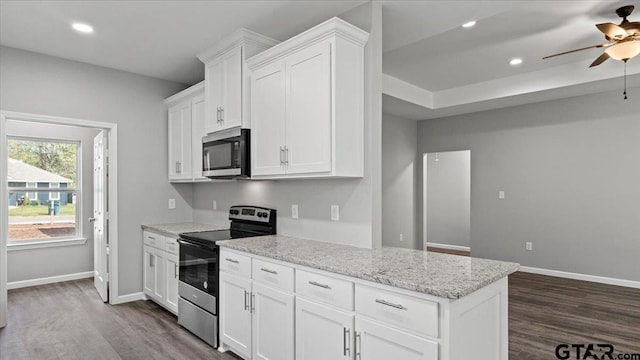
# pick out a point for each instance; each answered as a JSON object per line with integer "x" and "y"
{"x": 34, "y": 168}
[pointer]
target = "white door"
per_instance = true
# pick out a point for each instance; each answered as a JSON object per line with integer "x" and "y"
{"x": 308, "y": 122}
{"x": 267, "y": 120}
{"x": 235, "y": 313}
{"x": 180, "y": 141}
{"x": 149, "y": 271}
{"x": 159, "y": 265}
{"x": 375, "y": 341}
{"x": 198, "y": 131}
{"x": 171, "y": 282}
{"x": 99, "y": 218}
{"x": 273, "y": 324}
{"x": 213, "y": 94}
{"x": 232, "y": 88}
{"x": 322, "y": 332}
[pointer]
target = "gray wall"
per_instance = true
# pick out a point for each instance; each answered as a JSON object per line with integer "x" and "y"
{"x": 41, "y": 84}
{"x": 46, "y": 262}
{"x": 570, "y": 171}
{"x": 449, "y": 197}
{"x": 399, "y": 175}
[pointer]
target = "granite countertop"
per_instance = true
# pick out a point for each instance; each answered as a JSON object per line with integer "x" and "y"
{"x": 443, "y": 275}
{"x": 175, "y": 229}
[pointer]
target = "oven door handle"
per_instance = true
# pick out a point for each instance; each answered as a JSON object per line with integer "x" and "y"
{"x": 186, "y": 243}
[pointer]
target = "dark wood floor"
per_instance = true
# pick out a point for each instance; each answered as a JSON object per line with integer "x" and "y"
{"x": 448, "y": 251}
{"x": 68, "y": 321}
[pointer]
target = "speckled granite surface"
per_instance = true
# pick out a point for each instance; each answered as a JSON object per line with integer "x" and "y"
{"x": 176, "y": 229}
{"x": 443, "y": 275}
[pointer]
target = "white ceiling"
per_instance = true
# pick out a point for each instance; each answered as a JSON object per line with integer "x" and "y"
{"x": 460, "y": 70}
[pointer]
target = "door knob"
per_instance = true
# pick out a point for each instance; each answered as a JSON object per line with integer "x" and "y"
{"x": 92, "y": 219}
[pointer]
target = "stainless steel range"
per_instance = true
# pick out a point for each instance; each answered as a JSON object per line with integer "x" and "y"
{"x": 199, "y": 268}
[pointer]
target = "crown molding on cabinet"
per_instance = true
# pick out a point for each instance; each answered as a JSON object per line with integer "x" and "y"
{"x": 186, "y": 93}
{"x": 239, "y": 37}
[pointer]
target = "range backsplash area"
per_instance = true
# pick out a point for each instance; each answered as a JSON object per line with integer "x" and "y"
{"x": 313, "y": 197}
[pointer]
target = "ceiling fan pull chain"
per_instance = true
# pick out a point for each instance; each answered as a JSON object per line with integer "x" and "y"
{"x": 625, "y": 80}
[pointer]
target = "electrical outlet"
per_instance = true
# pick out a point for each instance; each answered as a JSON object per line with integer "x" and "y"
{"x": 294, "y": 211}
{"x": 401, "y": 237}
{"x": 500, "y": 194}
{"x": 335, "y": 212}
{"x": 215, "y": 205}
{"x": 528, "y": 245}
{"x": 172, "y": 203}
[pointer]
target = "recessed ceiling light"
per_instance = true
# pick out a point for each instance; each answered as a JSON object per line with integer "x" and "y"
{"x": 83, "y": 28}
{"x": 469, "y": 24}
{"x": 515, "y": 61}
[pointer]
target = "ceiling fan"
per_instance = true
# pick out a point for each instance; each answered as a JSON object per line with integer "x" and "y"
{"x": 623, "y": 39}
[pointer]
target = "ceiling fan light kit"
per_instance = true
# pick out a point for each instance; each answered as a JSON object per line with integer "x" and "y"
{"x": 623, "y": 45}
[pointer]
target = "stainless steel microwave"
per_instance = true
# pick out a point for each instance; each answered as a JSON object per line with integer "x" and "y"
{"x": 225, "y": 154}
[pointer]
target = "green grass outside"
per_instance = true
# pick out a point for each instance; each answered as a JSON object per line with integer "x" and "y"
{"x": 39, "y": 210}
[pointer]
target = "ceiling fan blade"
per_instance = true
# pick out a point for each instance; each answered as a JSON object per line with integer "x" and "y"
{"x": 612, "y": 30}
{"x": 602, "y": 58}
{"x": 571, "y": 51}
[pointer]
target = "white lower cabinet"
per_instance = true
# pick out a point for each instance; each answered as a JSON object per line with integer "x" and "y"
{"x": 235, "y": 313}
{"x": 273, "y": 323}
{"x": 376, "y": 341}
{"x": 323, "y": 332}
{"x": 160, "y": 270}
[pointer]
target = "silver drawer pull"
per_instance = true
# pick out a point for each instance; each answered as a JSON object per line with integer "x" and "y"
{"x": 269, "y": 271}
{"x": 324, "y": 286}
{"x": 232, "y": 260}
{"x": 397, "y": 306}
{"x": 151, "y": 237}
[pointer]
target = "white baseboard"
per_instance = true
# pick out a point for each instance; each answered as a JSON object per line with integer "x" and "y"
{"x": 129, "y": 298}
{"x": 584, "y": 277}
{"x": 49, "y": 280}
{"x": 450, "y": 247}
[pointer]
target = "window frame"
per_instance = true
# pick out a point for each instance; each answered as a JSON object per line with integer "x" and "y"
{"x": 78, "y": 237}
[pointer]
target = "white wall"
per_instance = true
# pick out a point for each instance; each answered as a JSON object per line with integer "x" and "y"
{"x": 570, "y": 171}
{"x": 41, "y": 84}
{"x": 399, "y": 175}
{"x": 46, "y": 262}
{"x": 449, "y": 197}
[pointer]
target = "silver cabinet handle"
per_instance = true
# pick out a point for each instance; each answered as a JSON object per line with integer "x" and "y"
{"x": 325, "y": 286}
{"x": 246, "y": 300}
{"x": 281, "y": 155}
{"x": 346, "y": 338}
{"x": 218, "y": 114}
{"x": 175, "y": 271}
{"x": 269, "y": 271}
{"x": 232, "y": 260}
{"x": 222, "y": 115}
{"x": 384, "y": 302}
{"x": 358, "y": 346}
{"x": 286, "y": 155}
{"x": 150, "y": 260}
{"x": 253, "y": 303}
{"x": 178, "y": 167}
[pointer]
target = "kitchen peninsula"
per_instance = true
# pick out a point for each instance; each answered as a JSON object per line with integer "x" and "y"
{"x": 283, "y": 297}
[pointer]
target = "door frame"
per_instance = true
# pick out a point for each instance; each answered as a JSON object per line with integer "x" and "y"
{"x": 112, "y": 130}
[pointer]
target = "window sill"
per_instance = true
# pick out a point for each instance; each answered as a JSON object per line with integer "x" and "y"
{"x": 28, "y": 245}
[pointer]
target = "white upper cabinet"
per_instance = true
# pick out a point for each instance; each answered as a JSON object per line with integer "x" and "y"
{"x": 308, "y": 104}
{"x": 227, "y": 79}
{"x": 186, "y": 127}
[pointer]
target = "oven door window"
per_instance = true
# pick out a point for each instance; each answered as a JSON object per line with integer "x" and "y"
{"x": 198, "y": 267}
{"x": 221, "y": 155}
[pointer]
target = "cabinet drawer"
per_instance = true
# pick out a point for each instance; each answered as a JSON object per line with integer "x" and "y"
{"x": 406, "y": 312}
{"x": 325, "y": 289}
{"x": 273, "y": 274}
{"x": 153, "y": 239}
{"x": 171, "y": 245}
{"x": 235, "y": 264}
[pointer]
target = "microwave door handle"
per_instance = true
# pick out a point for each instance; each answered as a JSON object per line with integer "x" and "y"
{"x": 207, "y": 159}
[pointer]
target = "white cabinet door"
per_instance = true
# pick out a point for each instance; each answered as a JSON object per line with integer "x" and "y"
{"x": 180, "y": 141}
{"x": 232, "y": 89}
{"x": 159, "y": 264}
{"x": 375, "y": 341}
{"x": 213, "y": 86}
{"x": 308, "y": 116}
{"x": 149, "y": 272}
{"x": 198, "y": 131}
{"x": 322, "y": 332}
{"x": 235, "y": 313}
{"x": 273, "y": 324}
{"x": 171, "y": 282}
{"x": 268, "y": 115}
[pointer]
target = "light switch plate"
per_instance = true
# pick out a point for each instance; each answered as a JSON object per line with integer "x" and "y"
{"x": 172, "y": 203}
{"x": 294, "y": 211}
{"x": 500, "y": 194}
{"x": 335, "y": 212}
